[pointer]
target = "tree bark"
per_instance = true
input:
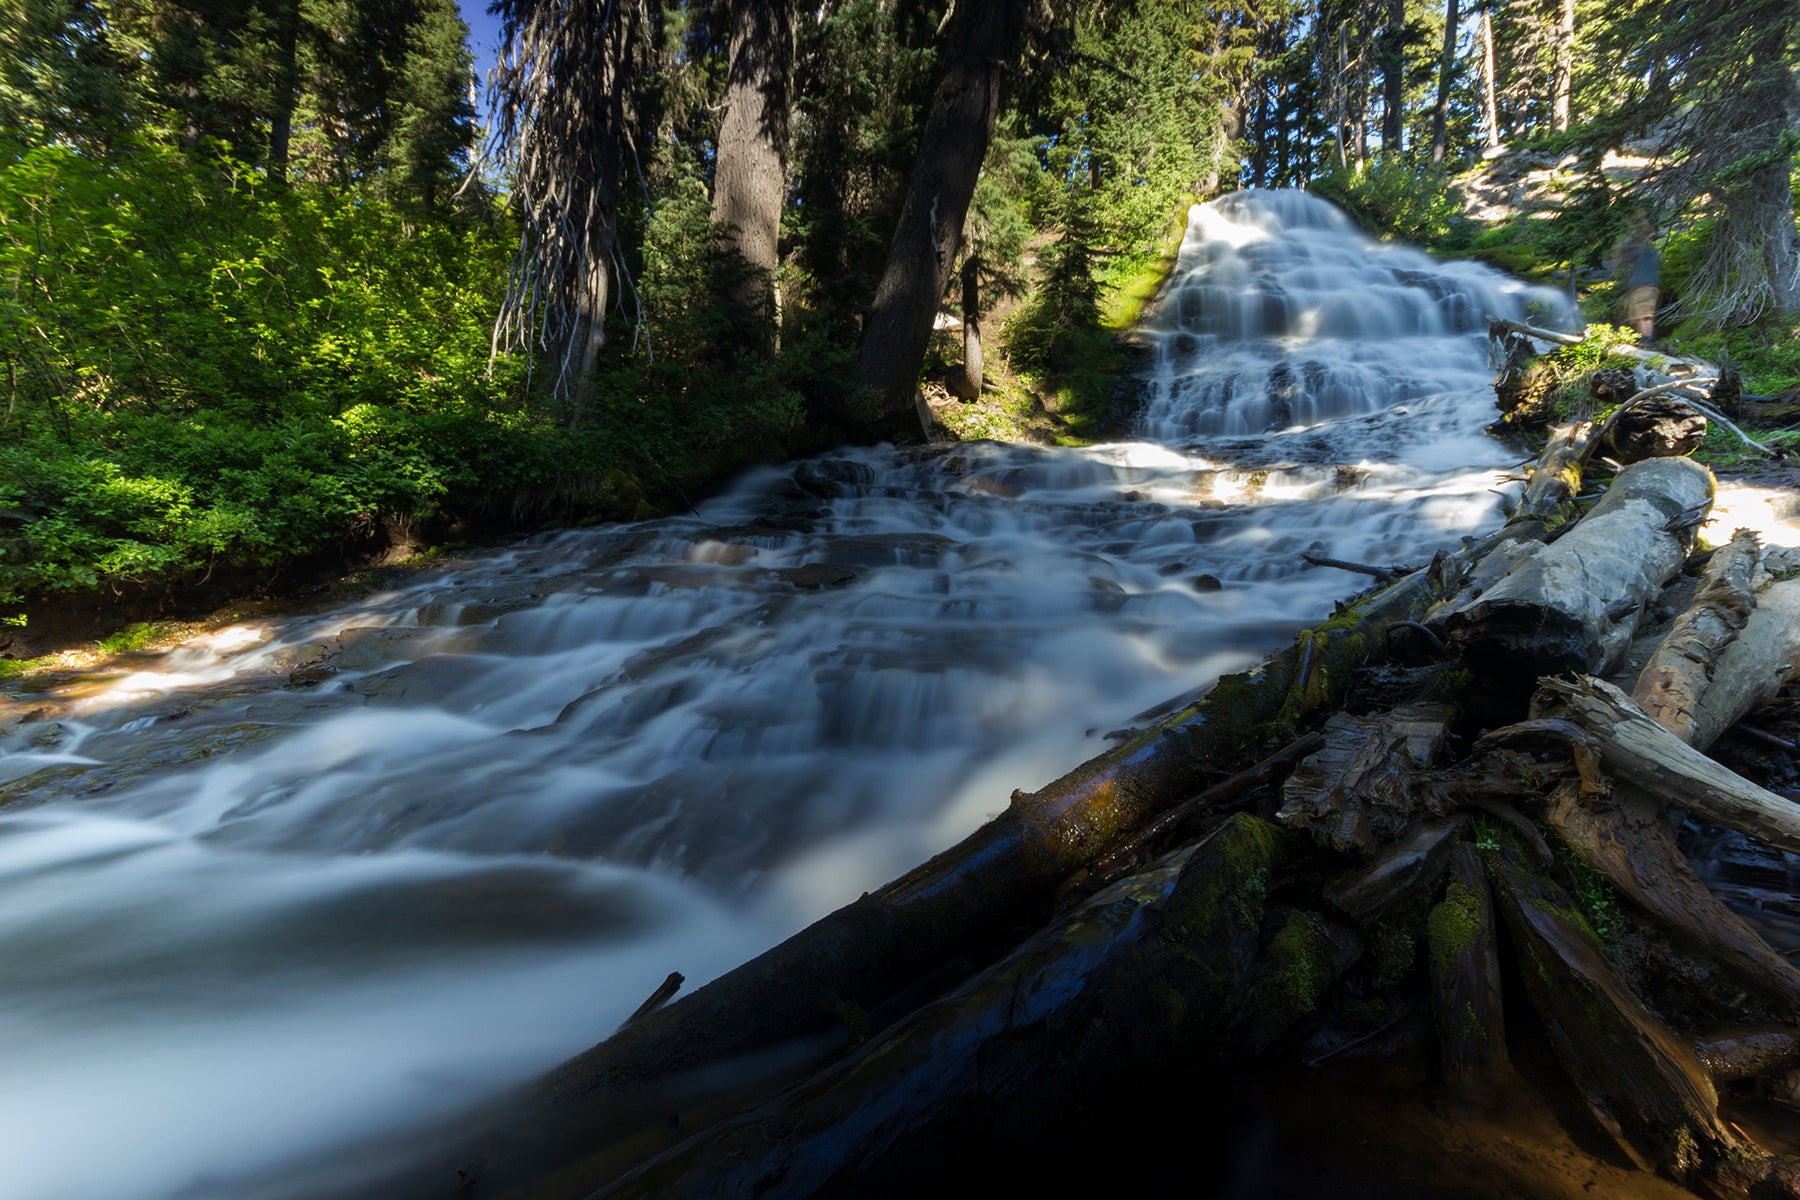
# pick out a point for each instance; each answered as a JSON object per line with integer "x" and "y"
{"x": 750, "y": 178}
{"x": 966, "y": 383}
{"x": 1440, "y": 115}
{"x": 978, "y": 48}
{"x": 1574, "y": 604}
{"x": 1752, "y": 670}
{"x": 1684, "y": 664}
{"x": 1393, "y": 77}
{"x": 1489, "y": 88}
{"x": 1564, "y": 70}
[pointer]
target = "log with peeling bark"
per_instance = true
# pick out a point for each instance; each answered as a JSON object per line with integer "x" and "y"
{"x": 1684, "y": 664}
{"x": 1657, "y": 427}
{"x": 1752, "y": 670}
{"x": 1464, "y": 955}
{"x": 1152, "y": 978}
{"x": 1645, "y": 756}
{"x": 1573, "y": 605}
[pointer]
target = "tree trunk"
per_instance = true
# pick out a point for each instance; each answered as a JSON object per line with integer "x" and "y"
{"x": 977, "y": 49}
{"x": 967, "y": 382}
{"x": 1393, "y": 77}
{"x": 287, "y": 80}
{"x": 1159, "y": 970}
{"x": 1440, "y": 115}
{"x": 1563, "y": 82}
{"x": 750, "y": 179}
{"x": 1489, "y": 87}
{"x": 1465, "y": 975}
{"x": 1574, "y": 604}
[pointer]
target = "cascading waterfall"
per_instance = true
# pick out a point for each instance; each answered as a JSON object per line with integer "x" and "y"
{"x": 319, "y": 882}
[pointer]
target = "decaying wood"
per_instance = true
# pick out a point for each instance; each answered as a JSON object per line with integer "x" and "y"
{"x": 1398, "y": 878}
{"x": 1360, "y": 786}
{"x": 1732, "y": 1054}
{"x": 1641, "y": 1080}
{"x": 1682, "y": 667}
{"x": 664, "y": 993}
{"x": 1573, "y": 605}
{"x": 1753, "y": 668}
{"x": 1141, "y": 982}
{"x": 1656, "y": 427}
{"x": 1464, "y": 954}
{"x": 1625, "y": 838}
{"x": 1638, "y": 752}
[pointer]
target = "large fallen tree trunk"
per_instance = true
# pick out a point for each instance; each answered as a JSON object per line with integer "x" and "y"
{"x": 1684, "y": 664}
{"x": 1573, "y": 604}
{"x": 1641, "y": 1080}
{"x": 1144, "y": 982}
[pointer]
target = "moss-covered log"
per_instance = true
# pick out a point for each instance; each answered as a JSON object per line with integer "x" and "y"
{"x": 1145, "y": 982}
{"x": 1642, "y": 1081}
{"x": 1464, "y": 946}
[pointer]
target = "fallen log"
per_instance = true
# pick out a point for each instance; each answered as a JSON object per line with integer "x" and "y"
{"x": 1464, "y": 958}
{"x": 1358, "y": 788}
{"x": 1733, "y": 1054}
{"x": 1752, "y": 670}
{"x": 1574, "y": 604}
{"x": 1682, "y": 667}
{"x": 1642, "y": 1082}
{"x": 1638, "y": 752}
{"x": 1149, "y": 980}
{"x": 1667, "y": 364}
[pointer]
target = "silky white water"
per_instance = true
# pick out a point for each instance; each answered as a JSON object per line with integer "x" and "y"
{"x": 325, "y": 880}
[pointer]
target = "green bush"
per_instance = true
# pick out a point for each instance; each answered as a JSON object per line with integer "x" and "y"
{"x": 1393, "y": 196}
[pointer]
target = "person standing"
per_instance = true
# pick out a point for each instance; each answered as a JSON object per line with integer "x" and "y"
{"x": 1639, "y": 257}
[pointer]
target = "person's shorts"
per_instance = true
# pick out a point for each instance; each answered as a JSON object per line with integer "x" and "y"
{"x": 1640, "y": 303}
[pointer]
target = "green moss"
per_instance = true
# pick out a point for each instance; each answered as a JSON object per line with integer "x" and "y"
{"x": 132, "y": 637}
{"x": 1297, "y": 972}
{"x": 1452, "y": 926}
{"x": 1392, "y": 951}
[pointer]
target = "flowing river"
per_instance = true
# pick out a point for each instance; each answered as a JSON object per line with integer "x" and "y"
{"x": 327, "y": 879}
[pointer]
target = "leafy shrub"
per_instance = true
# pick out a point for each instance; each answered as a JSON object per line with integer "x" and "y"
{"x": 1394, "y": 196}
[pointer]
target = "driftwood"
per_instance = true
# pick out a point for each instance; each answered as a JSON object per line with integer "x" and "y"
{"x": 1465, "y": 976}
{"x": 1573, "y": 604}
{"x": 1642, "y": 754}
{"x": 1682, "y": 668}
{"x": 1141, "y": 982}
{"x": 1357, "y": 789}
{"x": 1753, "y": 668}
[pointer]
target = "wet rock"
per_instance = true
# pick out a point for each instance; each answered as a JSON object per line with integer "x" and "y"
{"x": 829, "y": 478}
{"x": 48, "y": 736}
{"x": 1208, "y": 583}
{"x": 311, "y": 675}
{"x": 815, "y": 576}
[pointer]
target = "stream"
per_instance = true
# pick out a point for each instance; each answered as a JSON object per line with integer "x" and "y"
{"x": 328, "y": 880}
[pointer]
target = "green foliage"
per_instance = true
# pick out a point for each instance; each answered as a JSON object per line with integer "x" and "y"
{"x": 1394, "y": 196}
{"x": 204, "y": 370}
{"x": 1594, "y": 896}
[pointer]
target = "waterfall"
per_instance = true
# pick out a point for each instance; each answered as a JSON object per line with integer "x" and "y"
{"x": 319, "y": 882}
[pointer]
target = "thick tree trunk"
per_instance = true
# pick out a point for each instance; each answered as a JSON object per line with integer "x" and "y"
{"x": 285, "y": 84}
{"x": 1751, "y": 671}
{"x": 1490, "y": 89}
{"x": 1574, "y": 604}
{"x": 977, "y": 49}
{"x": 1440, "y": 114}
{"x": 1564, "y": 69}
{"x": 966, "y": 383}
{"x": 1393, "y": 77}
{"x": 750, "y": 179}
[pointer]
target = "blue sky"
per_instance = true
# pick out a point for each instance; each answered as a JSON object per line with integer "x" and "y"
{"x": 484, "y": 33}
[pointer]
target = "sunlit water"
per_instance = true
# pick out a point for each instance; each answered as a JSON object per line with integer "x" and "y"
{"x": 244, "y": 924}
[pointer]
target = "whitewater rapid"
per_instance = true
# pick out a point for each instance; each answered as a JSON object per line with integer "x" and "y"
{"x": 324, "y": 881}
